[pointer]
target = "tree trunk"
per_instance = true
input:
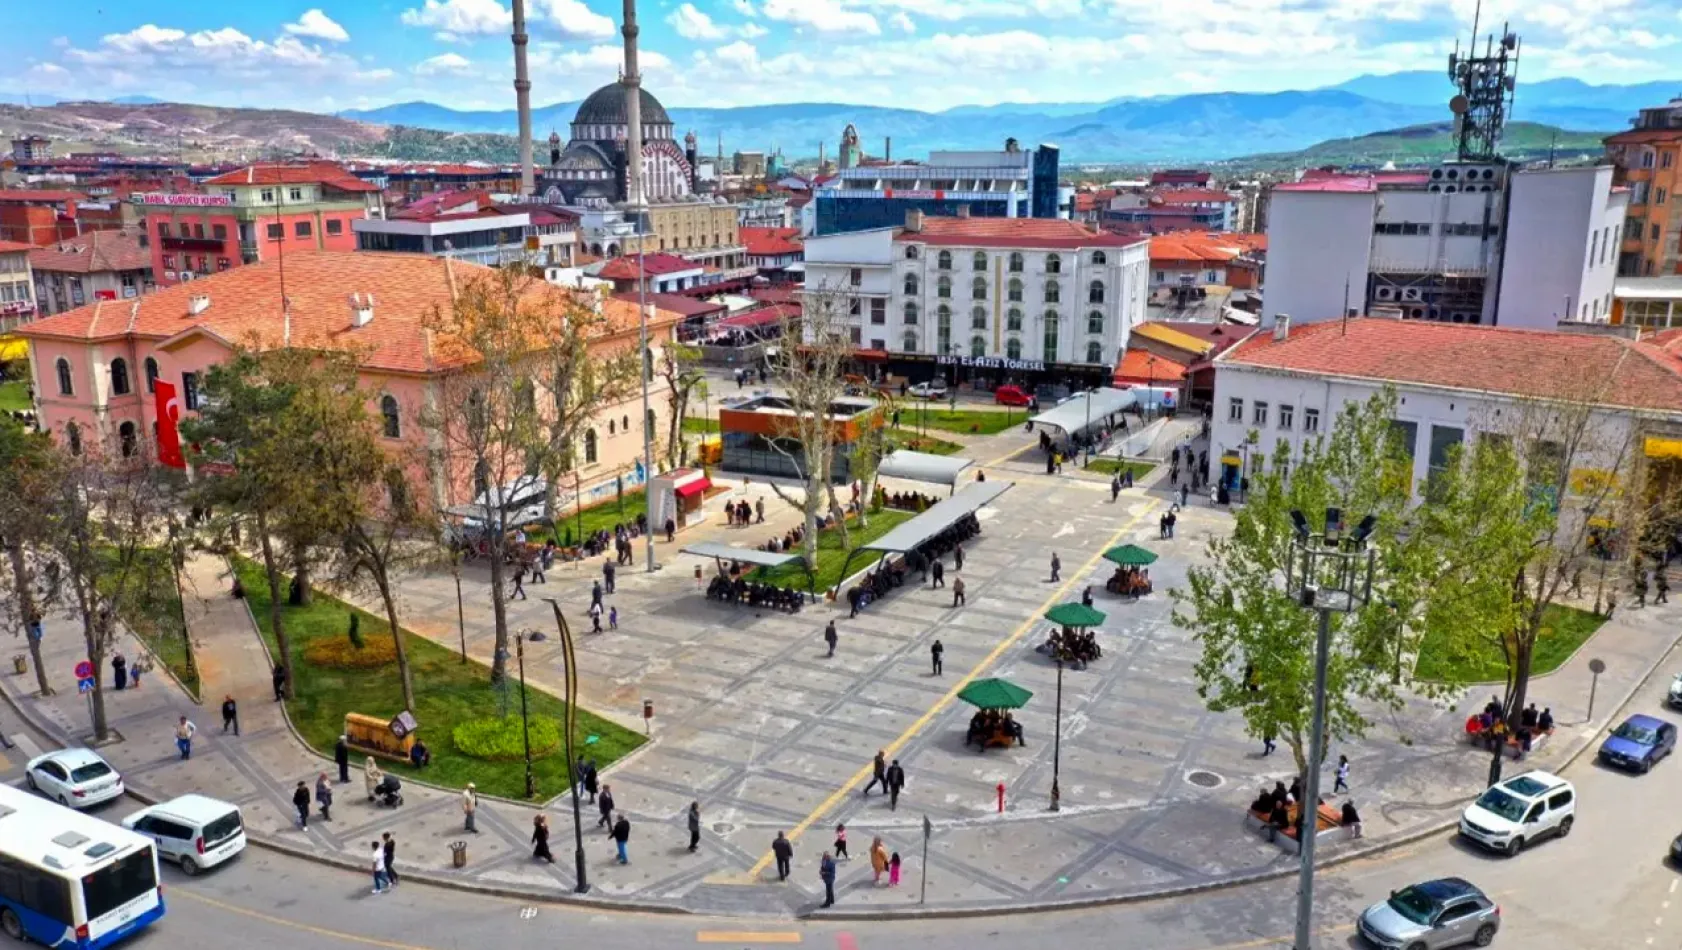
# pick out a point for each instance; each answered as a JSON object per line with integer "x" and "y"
{"x": 96, "y": 640}
{"x": 277, "y": 594}
{"x": 814, "y": 498}
{"x": 397, "y": 639}
{"x": 499, "y": 615}
{"x": 301, "y": 575}
{"x": 26, "y": 608}
{"x": 178, "y": 563}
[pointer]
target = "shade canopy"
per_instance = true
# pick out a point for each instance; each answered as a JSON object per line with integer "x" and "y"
{"x": 995, "y": 694}
{"x": 726, "y": 552}
{"x": 912, "y": 534}
{"x": 1074, "y": 615}
{"x": 923, "y": 467}
{"x": 1086, "y": 410}
{"x": 1130, "y": 555}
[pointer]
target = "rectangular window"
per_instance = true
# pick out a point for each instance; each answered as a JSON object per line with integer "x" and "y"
{"x": 855, "y": 307}
{"x": 219, "y": 232}
{"x": 1443, "y": 441}
{"x": 268, "y": 196}
{"x": 163, "y": 229}
{"x": 855, "y": 276}
{"x": 1161, "y": 277}
{"x": 878, "y": 311}
{"x": 1594, "y": 247}
{"x": 169, "y": 261}
{"x": 857, "y": 335}
{"x": 190, "y": 390}
{"x": 335, "y": 226}
{"x": 1406, "y": 434}
{"x": 1260, "y": 414}
{"x": 301, "y": 229}
{"x": 1235, "y": 410}
{"x": 1311, "y": 420}
{"x": 295, "y": 194}
{"x": 1287, "y": 416}
{"x": 879, "y": 345}
{"x": 1661, "y": 195}
{"x": 276, "y": 232}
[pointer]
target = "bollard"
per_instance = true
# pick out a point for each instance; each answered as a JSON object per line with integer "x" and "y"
{"x": 458, "y": 854}
{"x": 1001, "y": 798}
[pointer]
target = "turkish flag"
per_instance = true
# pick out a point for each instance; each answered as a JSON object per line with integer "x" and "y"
{"x": 169, "y": 414}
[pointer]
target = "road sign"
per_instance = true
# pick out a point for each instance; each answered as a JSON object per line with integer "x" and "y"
{"x": 84, "y": 670}
{"x": 84, "y": 686}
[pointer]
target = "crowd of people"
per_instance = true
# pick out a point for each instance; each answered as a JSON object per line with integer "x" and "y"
{"x": 1129, "y": 581}
{"x": 922, "y": 559}
{"x": 1489, "y": 726}
{"x": 1077, "y": 647}
{"x": 993, "y": 727}
{"x": 1281, "y": 809}
{"x": 906, "y": 501}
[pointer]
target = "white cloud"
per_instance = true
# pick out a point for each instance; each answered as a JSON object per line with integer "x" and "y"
{"x": 902, "y": 21}
{"x": 744, "y": 7}
{"x": 692, "y": 24}
{"x": 318, "y": 25}
{"x": 214, "y": 58}
{"x": 595, "y": 63}
{"x": 952, "y": 10}
{"x": 825, "y": 16}
{"x": 752, "y": 31}
{"x": 444, "y": 63}
{"x": 457, "y": 18}
{"x": 572, "y": 19}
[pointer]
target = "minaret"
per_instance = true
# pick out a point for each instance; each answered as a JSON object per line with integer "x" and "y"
{"x": 632, "y": 82}
{"x": 522, "y": 98}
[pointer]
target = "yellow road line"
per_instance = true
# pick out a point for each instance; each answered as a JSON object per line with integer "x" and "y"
{"x": 295, "y": 925}
{"x": 951, "y": 694}
{"x": 745, "y": 936}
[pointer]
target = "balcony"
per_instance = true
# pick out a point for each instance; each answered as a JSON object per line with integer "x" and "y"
{"x": 196, "y": 245}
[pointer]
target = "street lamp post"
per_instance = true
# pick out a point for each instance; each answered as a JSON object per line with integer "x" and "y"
{"x": 570, "y": 679}
{"x": 1057, "y": 743}
{"x": 525, "y": 720}
{"x": 1329, "y": 572}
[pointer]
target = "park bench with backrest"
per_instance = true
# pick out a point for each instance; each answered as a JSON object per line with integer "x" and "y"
{"x": 1512, "y": 743}
{"x": 1328, "y": 819}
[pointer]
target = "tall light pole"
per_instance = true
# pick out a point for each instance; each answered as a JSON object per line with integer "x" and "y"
{"x": 1057, "y": 740}
{"x": 570, "y": 694}
{"x": 1329, "y": 572}
{"x": 525, "y": 720}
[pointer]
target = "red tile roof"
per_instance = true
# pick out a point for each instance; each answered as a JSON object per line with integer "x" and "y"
{"x": 1524, "y": 363}
{"x": 1342, "y": 184}
{"x": 1644, "y": 136}
{"x": 1145, "y": 368}
{"x": 1047, "y": 233}
{"x": 772, "y": 242}
{"x": 1205, "y": 246}
{"x": 295, "y": 173}
{"x": 653, "y": 265}
{"x": 442, "y": 201}
{"x": 676, "y": 303}
{"x": 1187, "y": 196}
{"x": 12, "y": 247}
{"x": 39, "y": 196}
{"x": 407, "y": 289}
{"x": 93, "y": 252}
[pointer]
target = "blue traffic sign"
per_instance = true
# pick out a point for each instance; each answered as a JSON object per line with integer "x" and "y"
{"x": 84, "y": 686}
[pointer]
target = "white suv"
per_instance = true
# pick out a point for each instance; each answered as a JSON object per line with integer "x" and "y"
{"x": 1516, "y": 812}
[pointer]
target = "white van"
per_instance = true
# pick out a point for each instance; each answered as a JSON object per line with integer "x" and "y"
{"x": 194, "y": 831}
{"x": 1514, "y": 813}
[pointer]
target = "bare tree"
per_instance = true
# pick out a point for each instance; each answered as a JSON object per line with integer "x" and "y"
{"x": 681, "y": 369}
{"x": 28, "y": 467}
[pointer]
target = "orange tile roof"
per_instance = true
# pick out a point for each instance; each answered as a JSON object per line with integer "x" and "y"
{"x": 771, "y": 242}
{"x": 1524, "y": 363}
{"x": 653, "y": 265}
{"x": 1142, "y": 366}
{"x": 12, "y": 247}
{"x": 1054, "y": 233}
{"x": 294, "y": 173}
{"x": 39, "y": 196}
{"x": 1644, "y": 136}
{"x": 1204, "y": 247}
{"x": 93, "y": 252}
{"x": 407, "y": 289}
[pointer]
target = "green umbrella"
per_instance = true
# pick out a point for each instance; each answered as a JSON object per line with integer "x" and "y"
{"x": 995, "y": 694}
{"x": 1130, "y": 555}
{"x": 1074, "y": 615}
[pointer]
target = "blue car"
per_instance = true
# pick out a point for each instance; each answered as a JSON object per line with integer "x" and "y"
{"x": 1638, "y": 743}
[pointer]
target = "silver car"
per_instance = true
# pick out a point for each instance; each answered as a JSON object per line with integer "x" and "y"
{"x": 1444, "y": 913}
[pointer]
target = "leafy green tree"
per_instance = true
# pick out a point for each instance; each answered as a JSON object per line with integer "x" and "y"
{"x": 28, "y": 468}
{"x": 681, "y": 370}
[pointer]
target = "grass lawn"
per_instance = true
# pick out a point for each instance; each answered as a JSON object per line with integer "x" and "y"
{"x": 831, "y": 556}
{"x": 14, "y": 396}
{"x": 153, "y": 612}
{"x": 1564, "y": 630}
{"x": 913, "y": 416}
{"x": 447, "y": 692}
{"x": 906, "y": 439}
{"x": 599, "y": 517}
{"x": 1109, "y": 466}
{"x": 695, "y": 425}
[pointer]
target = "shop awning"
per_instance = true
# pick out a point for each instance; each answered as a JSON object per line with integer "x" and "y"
{"x": 696, "y": 487}
{"x": 1083, "y": 409}
{"x": 923, "y": 467}
{"x": 762, "y": 316}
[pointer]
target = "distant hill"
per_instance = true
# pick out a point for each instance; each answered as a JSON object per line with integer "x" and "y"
{"x": 1523, "y": 141}
{"x": 1569, "y": 103}
{"x": 165, "y": 128}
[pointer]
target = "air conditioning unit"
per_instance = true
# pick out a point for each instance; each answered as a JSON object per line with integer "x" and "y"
{"x": 1451, "y": 189}
{"x": 1384, "y": 293}
{"x": 1412, "y": 294}
{"x": 1434, "y": 189}
{"x": 1437, "y": 173}
{"x": 1417, "y": 313}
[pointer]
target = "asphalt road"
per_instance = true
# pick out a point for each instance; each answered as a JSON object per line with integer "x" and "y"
{"x": 1606, "y": 887}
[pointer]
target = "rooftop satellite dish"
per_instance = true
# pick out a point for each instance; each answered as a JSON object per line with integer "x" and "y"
{"x": 1459, "y": 105}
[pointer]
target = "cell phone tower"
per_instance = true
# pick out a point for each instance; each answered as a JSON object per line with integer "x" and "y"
{"x": 1484, "y": 96}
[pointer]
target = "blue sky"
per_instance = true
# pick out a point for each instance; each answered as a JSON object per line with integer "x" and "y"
{"x": 930, "y": 54}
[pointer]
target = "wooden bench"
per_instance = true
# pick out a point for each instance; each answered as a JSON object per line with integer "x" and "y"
{"x": 998, "y": 739}
{"x": 1479, "y": 737}
{"x": 1328, "y": 819}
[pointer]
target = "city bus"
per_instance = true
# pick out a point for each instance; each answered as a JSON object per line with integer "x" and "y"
{"x": 71, "y": 880}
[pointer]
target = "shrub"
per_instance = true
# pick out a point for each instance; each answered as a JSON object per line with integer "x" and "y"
{"x": 498, "y": 739}
{"x": 343, "y": 654}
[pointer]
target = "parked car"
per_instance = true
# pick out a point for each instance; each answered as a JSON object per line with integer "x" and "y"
{"x": 1638, "y": 743}
{"x": 932, "y": 389}
{"x": 1011, "y": 396}
{"x": 1509, "y": 815}
{"x": 1676, "y": 849}
{"x": 1675, "y": 697}
{"x": 1445, "y": 913}
{"x": 194, "y": 831}
{"x": 75, "y": 778}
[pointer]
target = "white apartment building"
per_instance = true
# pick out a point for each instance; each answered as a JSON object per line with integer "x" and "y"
{"x": 1458, "y": 243}
{"x": 1027, "y": 299}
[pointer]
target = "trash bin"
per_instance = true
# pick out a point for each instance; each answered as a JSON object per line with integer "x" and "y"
{"x": 20, "y": 664}
{"x": 458, "y": 854}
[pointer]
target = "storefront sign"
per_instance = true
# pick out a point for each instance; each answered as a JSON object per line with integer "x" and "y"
{"x": 914, "y": 195}
{"x": 992, "y": 362}
{"x": 189, "y": 201}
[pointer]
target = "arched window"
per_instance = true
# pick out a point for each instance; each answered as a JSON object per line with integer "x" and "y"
{"x": 1051, "y": 336}
{"x": 1099, "y": 259}
{"x": 625, "y": 423}
{"x": 1095, "y": 323}
{"x": 151, "y": 374}
{"x": 1013, "y": 320}
{"x": 944, "y": 261}
{"x": 980, "y": 260}
{"x": 1095, "y": 292}
{"x": 977, "y": 346}
{"x": 943, "y": 329}
{"x": 65, "y": 387}
{"x": 1094, "y": 352}
{"x": 911, "y": 288}
{"x": 1014, "y": 290}
{"x": 610, "y": 426}
{"x": 1013, "y": 349}
{"x": 910, "y": 314}
{"x": 650, "y": 421}
{"x": 910, "y": 341}
{"x": 389, "y": 420}
{"x": 943, "y": 288}
{"x": 127, "y": 439}
{"x": 119, "y": 377}
{"x": 1053, "y": 292}
{"x": 911, "y": 252}
{"x": 589, "y": 446}
{"x": 1053, "y": 264}
{"x": 1016, "y": 262}
{"x": 978, "y": 289}
{"x": 978, "y": 318}
{"x": 73, "y": 437}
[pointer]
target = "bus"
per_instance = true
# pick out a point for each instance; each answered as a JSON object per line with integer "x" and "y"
{"x": 71, "y": 880}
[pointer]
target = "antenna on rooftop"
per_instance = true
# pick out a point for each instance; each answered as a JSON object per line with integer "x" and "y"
{"x": 1484, "y": 91}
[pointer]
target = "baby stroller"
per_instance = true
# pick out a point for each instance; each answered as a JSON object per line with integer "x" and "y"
{"x": 389, "y": 792}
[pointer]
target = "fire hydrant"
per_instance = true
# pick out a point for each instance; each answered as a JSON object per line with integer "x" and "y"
{"x": 1001, "y": 798}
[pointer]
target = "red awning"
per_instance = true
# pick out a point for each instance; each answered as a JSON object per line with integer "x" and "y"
{"x": 691, "y": 489}
{"x": 757, "y": 317}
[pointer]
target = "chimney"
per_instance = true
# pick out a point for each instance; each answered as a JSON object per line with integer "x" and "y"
{"x": 197, "y": 304}
{"x": 913, "y": 220}
{"x": 361, "y": 309}
{"x": 963, "y": 211}
{"x": 1281, "y": 327}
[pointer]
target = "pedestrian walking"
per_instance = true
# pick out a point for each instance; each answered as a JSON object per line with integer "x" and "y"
{"x": 937, "y": 575}
{"x": 896, "y": 781}
{"x": 36, "y": 631}
{"x": 1663, "y": 585}
{"x": 841, "y": 842}
{"x": 609, "y": 572}
{"x": 380, "y": 880}
{"x": 613, "y": 617}
{"x": 230, "y": 714}
{"x": 605, "y": 803}
{"x": 1184, "y": 495}
{"x": 957, "y": 592}
{"x": 540, "y": 839}
{"x": 1115, "y": 488}
{"x": 519, "y": 584}
{"x": 537, "y": 570}
{"x": 372, "y": 776}
{"x": 958, "y": 558}
{"x": 1641, "y": 588}
{"x": 622, "y": 837}
{"x": 878, "y": 861}
{"x": 826, "y": 873}
{"x": 184, "y": 732}
{"x": 596, "y": 617}
{"x": 759, "y": 510}
{"x": 470, "y": 805}
{"x": 879, "y": 772}
{"x": 893, "y": 870}
{"x": 389, "y": 847}
{"x": 142, "y": 665}
{"x": 936, "y": 651}
{"x": 341, "y": 757}
{"x": 278, "y": 678}
{"x": 324, "y": 797}
{"x": 1056, "y": 568}
{"x": 830, "y": 637}
{"x": 694, "y": 826}
{"x": 1342, "y": 783}
{"x": 783, "y": 849}
{"x": 1267, "y": 744}
{"x": 301, "y": 801}
{"x": 671, "y": 530}
{"x": 119, "y": 672}
{"x": 590, "y": 778}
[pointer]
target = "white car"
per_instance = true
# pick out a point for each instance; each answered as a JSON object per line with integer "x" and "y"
{"x": 1514, "y": 813}
{"x": 1675, "y": 696}
{"x": 933, "y": 389}
{"x": 194, "y": 831}
{"x": 75, "y": 778}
